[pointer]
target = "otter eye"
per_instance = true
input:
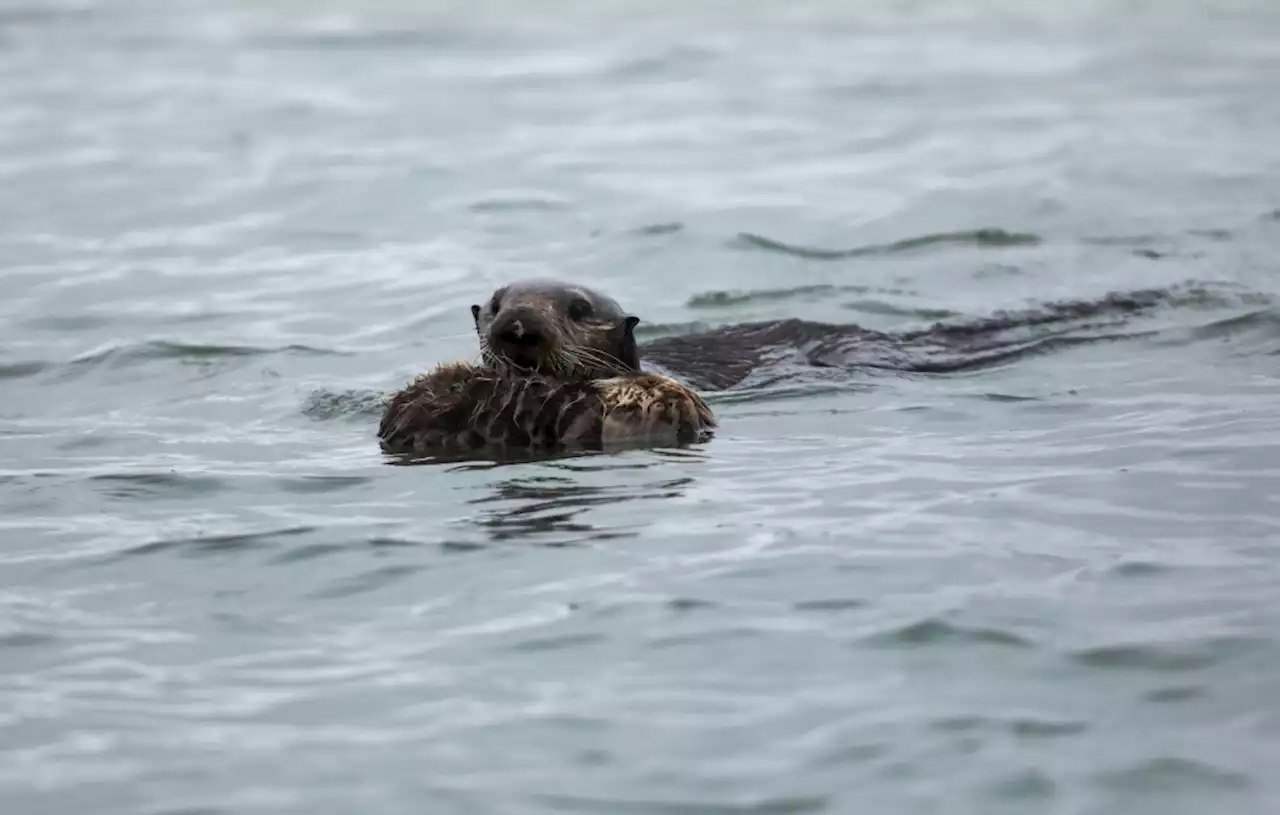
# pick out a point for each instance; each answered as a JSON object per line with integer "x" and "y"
{"x": 495, "y": 303}
{"x": 579, "y": 309}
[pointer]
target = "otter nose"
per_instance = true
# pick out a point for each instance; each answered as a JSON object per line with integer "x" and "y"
{"x": 518, "y": 337}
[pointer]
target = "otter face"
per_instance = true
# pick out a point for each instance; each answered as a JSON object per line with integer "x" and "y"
{"x": 556, "y": 329}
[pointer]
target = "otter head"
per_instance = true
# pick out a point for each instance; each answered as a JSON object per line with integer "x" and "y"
{"x": 557, "y": 329}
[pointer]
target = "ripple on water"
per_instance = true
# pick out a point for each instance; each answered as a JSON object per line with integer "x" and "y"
{"x": 367, "y": 581}
{"x": 1173, "y": 774}
{"x": 25, "y": 639}
{"x": 561, "y": 642}
{"x": 311, "y": 551}
{"x": 815, "y": 292}
{"x": 712, "y": 635}
{"x": 206, "y": 357}
{"x": 157, "y": 485}
{"x": 1167, "y": 657}
{"x": 319, "y": 484}
{"x": 1260, "y": 328}
{"x": 685, "y": 605}
{"x": 715, "y": 299}
{"x": 667, "y": 228}
{"x": 516, "y": 202}
{"x": 1139, "y": 569}
{"x": 553, "y": 510}
{"x": 69, "y": 322}
{"x": 213, "y": 545}
{"x": 134, "y": 353}
{"x": 18, "y": 370}
{"x": 1024, "y": 785}
{"x": 883, "y": 308}
{"x": 799, "y": 805}
{"x": 983, "y": 238}
{"x": 1175, "y": 694}
{"x": 1020, "y": 727}
{"x": 936, "y": 631}
{"x": 361, "y": 38}
{"x": 831, "y": 604}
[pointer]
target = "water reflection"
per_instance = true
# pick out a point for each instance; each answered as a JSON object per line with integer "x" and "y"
{"x": 555, "y": 510}
{"x": 573, "y": 460}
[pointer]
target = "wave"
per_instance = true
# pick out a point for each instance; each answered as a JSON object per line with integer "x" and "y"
{"x": 985, "y": 238}
{"x": 720, "y": 298}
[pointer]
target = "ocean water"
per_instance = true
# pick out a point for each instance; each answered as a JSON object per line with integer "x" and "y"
{"x": 1050, "y": 585}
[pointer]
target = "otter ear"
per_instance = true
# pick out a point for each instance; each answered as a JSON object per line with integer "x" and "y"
{"x": 627, "y": 343}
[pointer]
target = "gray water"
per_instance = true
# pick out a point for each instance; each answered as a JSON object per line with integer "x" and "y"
{"x": 1052, "y": 586}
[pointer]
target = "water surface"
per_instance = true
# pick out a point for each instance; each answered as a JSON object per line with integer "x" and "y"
{"x": 1044, "y": 586}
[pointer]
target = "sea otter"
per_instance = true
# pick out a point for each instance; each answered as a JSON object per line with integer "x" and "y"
{"x": 560, "y": 372}
{"x": 556, "y": 353}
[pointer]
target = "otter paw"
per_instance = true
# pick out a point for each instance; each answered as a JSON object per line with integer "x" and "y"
{"x": 652, "y": 407}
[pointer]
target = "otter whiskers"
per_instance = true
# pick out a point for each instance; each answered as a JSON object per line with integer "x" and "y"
{"x": 596, "y": 360}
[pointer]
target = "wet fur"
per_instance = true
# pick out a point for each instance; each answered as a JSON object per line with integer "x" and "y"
{"x": 461, "y": 409}
{"x": 580, "y": 389}
{"x": 723, "y": 357}
{"x": 595, "y": 346}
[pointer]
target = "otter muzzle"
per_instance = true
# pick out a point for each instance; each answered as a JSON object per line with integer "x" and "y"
{"x": 519, "y": 337}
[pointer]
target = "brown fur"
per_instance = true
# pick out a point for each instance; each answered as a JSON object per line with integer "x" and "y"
{"x": 461, "y": 408}
{"x": 560, "y": 372}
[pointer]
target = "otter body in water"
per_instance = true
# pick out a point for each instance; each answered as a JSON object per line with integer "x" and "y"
{"x": 570, "y": 331}
{"x": 461, "y": 408}
{"x": 561, "y": 372}
{"x": 562, "y": 367}
{"x": 724, "y": 357}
